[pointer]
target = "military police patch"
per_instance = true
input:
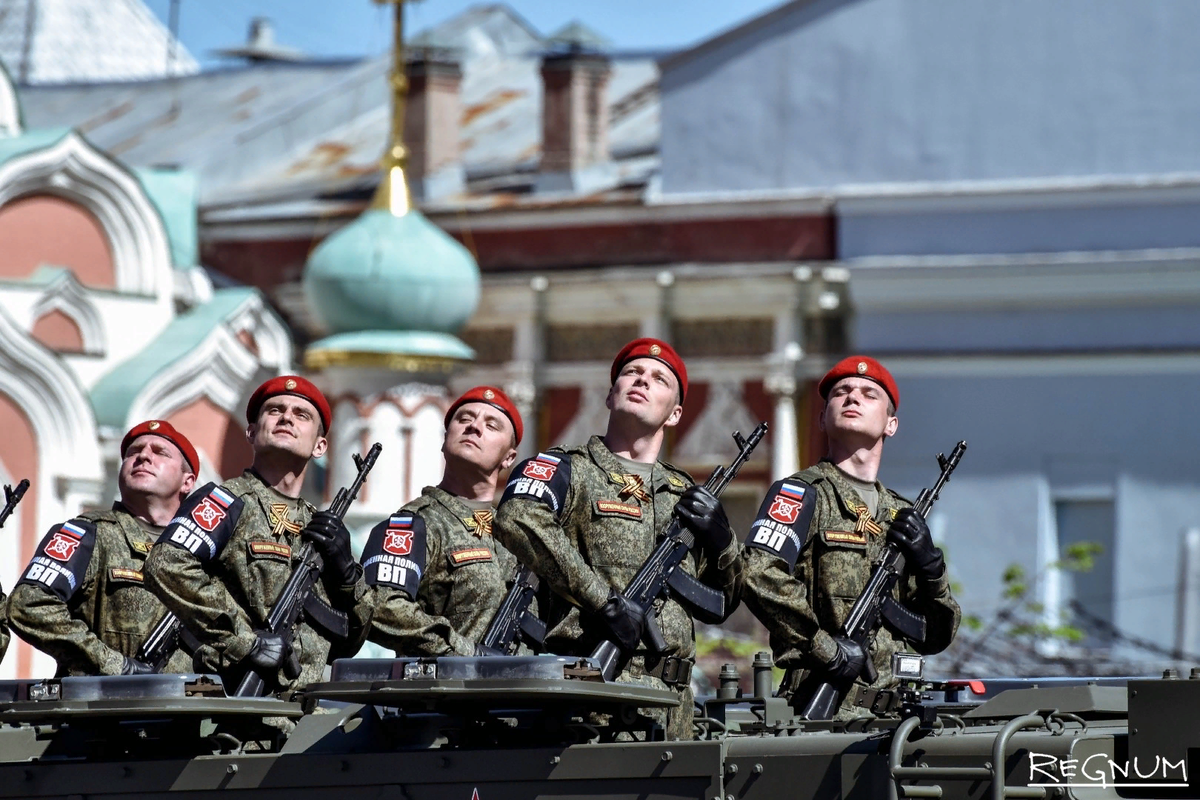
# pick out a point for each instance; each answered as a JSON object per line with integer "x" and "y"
{"x": 545, "y": 477}
{"x": 395, "y": 553}
{"x": 204, "y": 522}
{"x": 60, "y": 563}
{"x": 781, "y": 527}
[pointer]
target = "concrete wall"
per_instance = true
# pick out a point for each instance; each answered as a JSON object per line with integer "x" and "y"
{"x": 833, "y": 92}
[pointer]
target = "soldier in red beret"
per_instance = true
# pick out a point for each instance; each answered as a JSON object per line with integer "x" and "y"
{"x": 437, "y": 573}
{"x": 585, "y": 519}
{"x": 222, "y": 562}
{"x": 81, "y": 599}
{"x": 817, "y": 536}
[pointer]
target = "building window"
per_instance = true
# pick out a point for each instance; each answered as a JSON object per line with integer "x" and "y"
{"x": 716, "y": 338}
{"x": 491, "y": 345}
{"x": 1077, "y": 522}
{"x": 588, "y": 342}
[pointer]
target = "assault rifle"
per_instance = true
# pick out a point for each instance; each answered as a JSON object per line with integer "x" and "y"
{"x": 513, "y": 619}
{"x": 287, "y": 609}
{"x": 11, "y": 498}
{"x": 876, "y": 604}
{"x": 659, "y": 570}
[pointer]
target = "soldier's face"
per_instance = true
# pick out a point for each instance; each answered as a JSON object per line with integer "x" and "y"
{"x": 481, "y": 435}
{"x": 858, "y": 408}
{"x": 647, "y": 390}
{"x": 154, "y": 466}
{"x": 288, "y": 424}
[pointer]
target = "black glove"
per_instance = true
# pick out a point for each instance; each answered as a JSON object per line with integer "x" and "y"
{"x": 624, "y": 619}
{"x": 330, "y": 538}
{"x": 484, "y": 650}
{"x": 702, "y": 513}
{"x": 132, "y": 666}
{"x": 849, "y": 661}
{"x": 910, "y": 533}
{"x": 270, "y": 652}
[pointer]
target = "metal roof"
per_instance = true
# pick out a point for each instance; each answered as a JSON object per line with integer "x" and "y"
{"x": 53, "y": 41}
{"x": 279, "y": 132}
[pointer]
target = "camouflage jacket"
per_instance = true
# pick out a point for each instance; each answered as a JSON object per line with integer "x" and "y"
{"x": 3, "y": 623}
{"x": 810, "y": 553}
{"x": 437, "y": 576}
{"x": 81, "y": 598}
{"x": 222, "y": 563}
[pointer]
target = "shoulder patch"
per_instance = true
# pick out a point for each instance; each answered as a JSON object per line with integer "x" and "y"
{"x": 60, "y": 563}
{"x": 781, "y": 526}
{"x": 204, "y": 522}
{"x": 395, "y": 553}
{"x": 546, "y": 478}
{"x": 469, "y": 555}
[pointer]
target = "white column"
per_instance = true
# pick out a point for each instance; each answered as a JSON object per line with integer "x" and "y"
{"x": 781, "y": 384}
{"x": 1188, "y": 635}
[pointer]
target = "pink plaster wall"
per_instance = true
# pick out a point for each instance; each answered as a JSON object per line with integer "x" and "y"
{"x": 43, "y": 229}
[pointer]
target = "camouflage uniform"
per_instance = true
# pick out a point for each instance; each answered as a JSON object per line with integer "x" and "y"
{"x": 3, "y": 624}
{"x": 441, "y": 552}
{"x": 808, "y": 557}
{"x": 81, "y": 598}
{"x": 585, "y": 527}
{"x": 222, "y": 563}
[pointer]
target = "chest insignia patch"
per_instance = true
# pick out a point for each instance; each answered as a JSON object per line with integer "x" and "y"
{"x": 277, "y": 516}
{"x": 471, "y": 554}
{"x": 624, "y": 509}
{"x": 142, "y": 547}
{"x": 676, "y": 482}
{"x": 632, "y": 487}
{"x": 261, "y": 548}
{"x": 125, "y": 574}
{"x": 845, "y": 537}
{"x": 480, "y": 522}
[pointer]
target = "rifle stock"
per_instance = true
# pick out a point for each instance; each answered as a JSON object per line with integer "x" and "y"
{"x": 290, "y": 604}
{"x": 866, "y": 615}
{"x": 657, "y": 572}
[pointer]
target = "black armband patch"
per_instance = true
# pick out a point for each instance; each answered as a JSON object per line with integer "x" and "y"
{"x": 204, "y": 522}
{"x": 545, "y": 477}
{"x": 395, "y": 553}
{"x": 60, "y": 563}
{"x": 781, "y": 526}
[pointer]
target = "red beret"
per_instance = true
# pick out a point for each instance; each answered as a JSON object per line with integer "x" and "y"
{"x": 493, "y": 397}
{"x": 160, "y": 427}
{"x": 656, "y": 349}
{"x": 860, "y": 367}
{"x": 293, "y": 385}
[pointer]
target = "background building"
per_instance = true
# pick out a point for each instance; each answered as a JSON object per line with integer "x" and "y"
{"x": 999, "y": 201}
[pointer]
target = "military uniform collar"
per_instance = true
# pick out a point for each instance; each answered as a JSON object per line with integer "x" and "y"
{"x": 135, "y": 534}
{"x": 660, "y": 475}
{"x": 469, "y": 517}
{"x": 847, "y": 495}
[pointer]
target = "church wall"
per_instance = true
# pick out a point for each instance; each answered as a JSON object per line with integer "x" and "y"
{"x": 218, "y": 436}
{"x": 47, "y": 230}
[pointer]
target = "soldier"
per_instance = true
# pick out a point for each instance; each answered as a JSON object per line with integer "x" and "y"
{"x": 438, "y": 575}
{"x": 586, "y": 518}
{"x": 223, "y": 561}
{"x": 82, "y": 598}
{"x": 811, "y": 549}
{"x": 3, "y": 624}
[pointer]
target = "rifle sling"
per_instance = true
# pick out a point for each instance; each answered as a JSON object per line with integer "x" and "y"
{"x": 328, "y": 620}
{"x": 704, "y": 601}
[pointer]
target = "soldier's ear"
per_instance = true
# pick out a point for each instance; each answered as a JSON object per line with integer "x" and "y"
{"x": 509, "y": 459}
{"x": 322, "y": 444}
{"x": 673, "y": 419}
{"x": 892, "y": 425}
{"x": 189, "y": 483}
{"x": 250, "y": 432}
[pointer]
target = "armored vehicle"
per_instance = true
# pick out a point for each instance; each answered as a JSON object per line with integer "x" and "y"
{"x": 546, "y": 726}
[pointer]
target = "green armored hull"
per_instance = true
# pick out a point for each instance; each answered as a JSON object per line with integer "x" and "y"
{"x": 551, "y": 727}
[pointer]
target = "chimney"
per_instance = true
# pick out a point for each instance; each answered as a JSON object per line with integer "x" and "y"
{"x": 431, "y": 126}
{"x": 575, "y": 155}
